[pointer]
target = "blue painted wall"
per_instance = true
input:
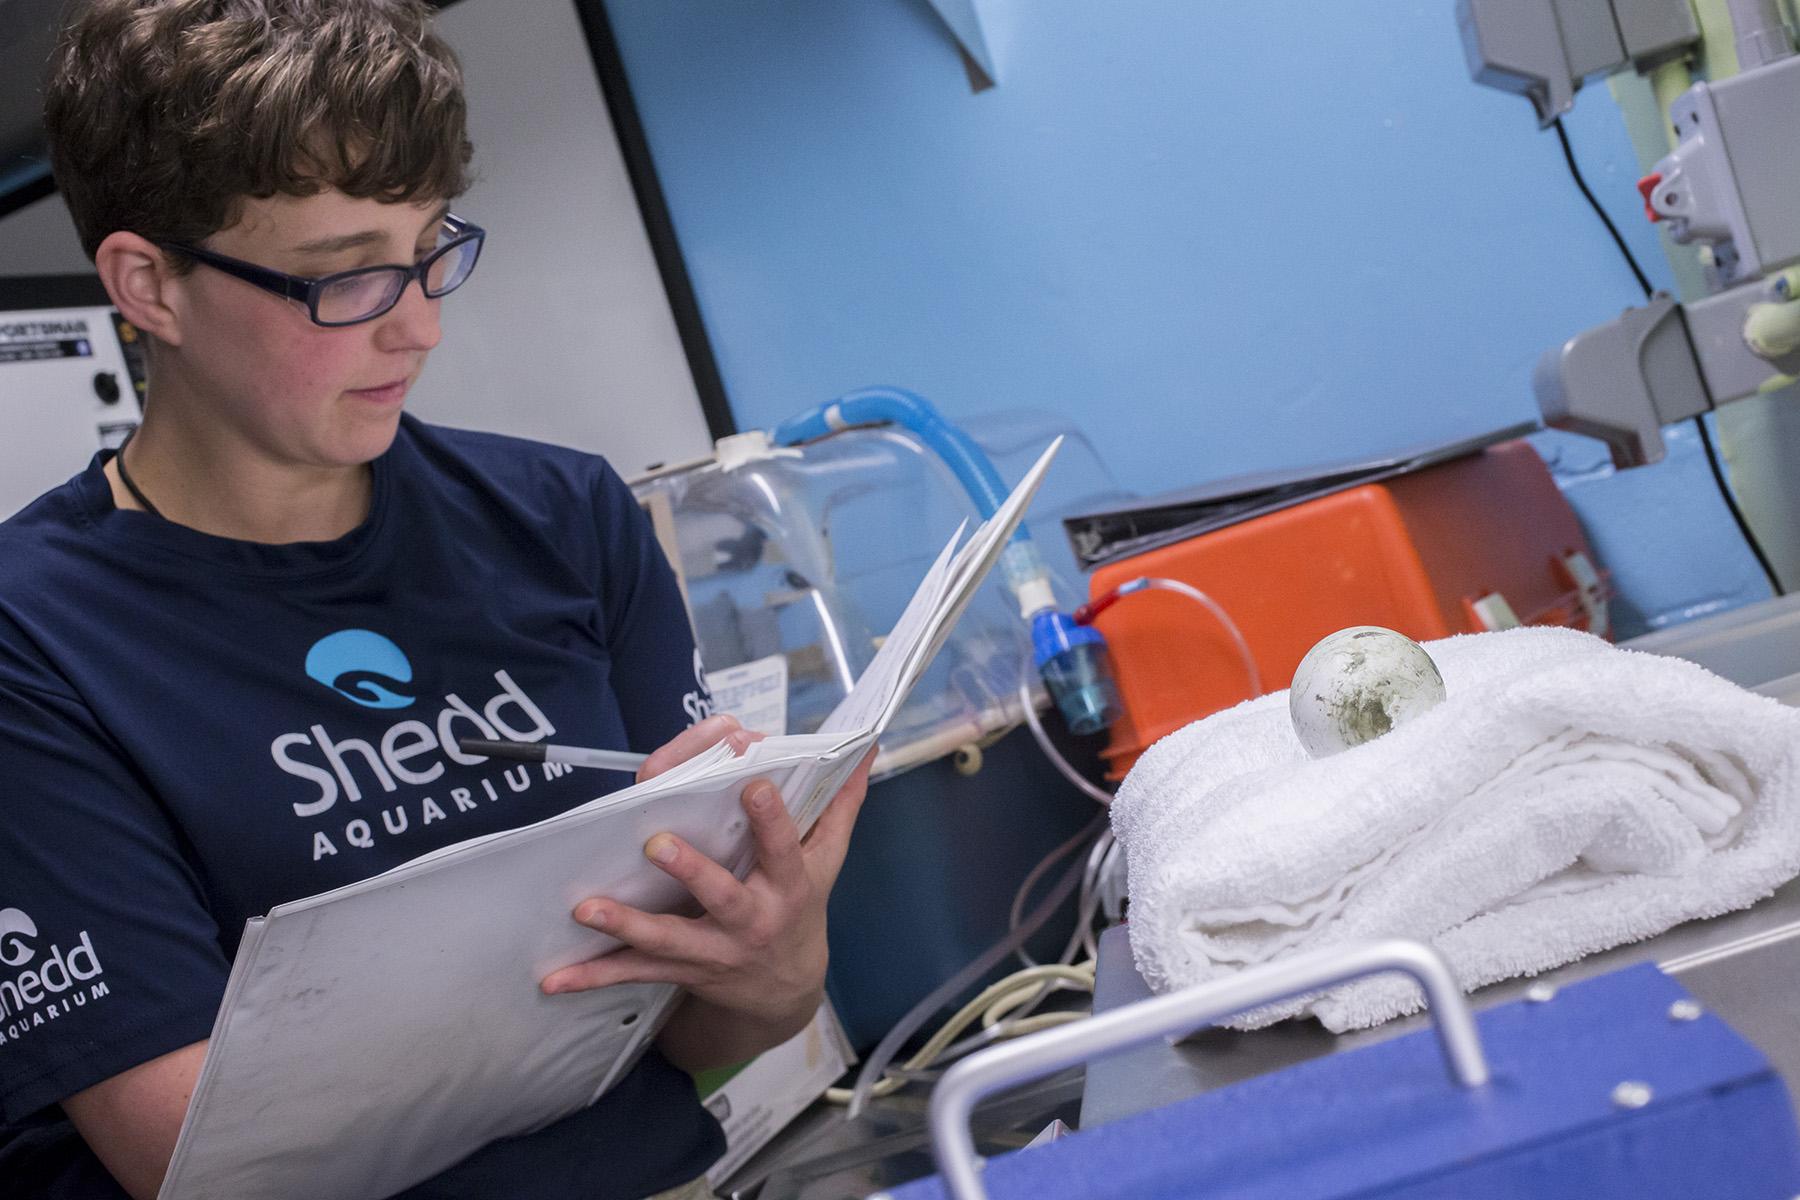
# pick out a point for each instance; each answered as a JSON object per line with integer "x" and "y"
{"x": 1218, "y": 238}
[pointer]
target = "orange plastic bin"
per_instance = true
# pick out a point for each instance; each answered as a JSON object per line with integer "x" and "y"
{"x": 1426, "y": 553}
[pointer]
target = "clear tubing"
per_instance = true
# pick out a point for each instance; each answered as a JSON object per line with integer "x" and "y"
{"x": 896, "y": 1037}
{"x": 1086, "y": 613}
{"x": 1100, "y": 795}
{"x": 1089, "y": 905}
{"x": 1016, "y": 914}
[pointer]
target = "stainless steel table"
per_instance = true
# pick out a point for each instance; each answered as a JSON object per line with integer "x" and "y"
{"x": 1745, "y": 966}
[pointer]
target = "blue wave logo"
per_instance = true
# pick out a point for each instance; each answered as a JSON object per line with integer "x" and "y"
{"x": 362, "y": 666}
{"x": 15, "y": 927}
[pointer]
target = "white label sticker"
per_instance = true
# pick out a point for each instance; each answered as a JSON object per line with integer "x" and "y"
{"x": 753, "y": 692}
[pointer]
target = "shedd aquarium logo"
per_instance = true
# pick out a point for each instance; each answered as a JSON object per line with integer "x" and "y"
{"x": 406, "y": 762}
{"x": 38, "y": 983}
{"x": 363, "y": 666}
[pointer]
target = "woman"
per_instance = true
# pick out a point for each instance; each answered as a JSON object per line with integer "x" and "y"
{"x": 235, "y": 656}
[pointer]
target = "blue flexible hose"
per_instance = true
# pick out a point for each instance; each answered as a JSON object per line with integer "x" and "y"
{"x": 910, "y": 411}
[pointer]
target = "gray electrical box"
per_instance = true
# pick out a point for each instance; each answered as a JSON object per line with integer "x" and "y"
{"x": 1754, "y": 119}
{"x": 1545, "y": 50}
{"x": 1591, "y": 44}
{"x": 1733, "y": 179}
{"x": 1656, "y": 31}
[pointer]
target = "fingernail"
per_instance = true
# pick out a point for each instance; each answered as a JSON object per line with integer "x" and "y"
{"x": 550, "y": 988}
{"x": 661, "y": 848}
{"x": 761, "y": 796}
{"x": 591, "y": 912}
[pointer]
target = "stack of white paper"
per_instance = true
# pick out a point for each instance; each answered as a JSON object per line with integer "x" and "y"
{"x": 372, "y": 1036}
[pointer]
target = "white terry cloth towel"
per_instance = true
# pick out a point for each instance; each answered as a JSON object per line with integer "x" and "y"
{"x": 1567, "y": 796}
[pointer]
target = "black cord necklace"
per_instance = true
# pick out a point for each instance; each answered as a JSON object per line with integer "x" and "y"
{"x": 137, "y": 493}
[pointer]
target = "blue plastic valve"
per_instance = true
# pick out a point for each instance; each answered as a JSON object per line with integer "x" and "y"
{"x": 1077, "y": 669}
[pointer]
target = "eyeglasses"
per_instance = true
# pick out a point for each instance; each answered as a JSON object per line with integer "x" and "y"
{"x": 352, "y": 297}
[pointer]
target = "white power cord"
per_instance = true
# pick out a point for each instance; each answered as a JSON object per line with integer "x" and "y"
{"x": 989, "y": 1008}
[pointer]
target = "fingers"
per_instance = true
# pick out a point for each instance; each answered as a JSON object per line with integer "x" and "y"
{"x": 692, "y": 741}
{"x": 777, "y": 840}
{"x": 661, "y": 934}
{"x": 681, "y": 946}
{"x": 621, "y": 966}
{"x": 725, "y": 899}
{"x": 829, "y": 840}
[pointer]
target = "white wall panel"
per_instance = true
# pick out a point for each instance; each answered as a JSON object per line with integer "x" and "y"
{"x": 564, "y": 333}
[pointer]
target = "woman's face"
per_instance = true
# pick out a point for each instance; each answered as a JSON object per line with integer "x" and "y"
{"x": 257, "y": 366}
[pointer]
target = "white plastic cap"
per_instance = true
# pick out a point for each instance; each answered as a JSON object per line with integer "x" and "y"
{"x": 1035, "y": 595}
{"x": 753, "y": 445}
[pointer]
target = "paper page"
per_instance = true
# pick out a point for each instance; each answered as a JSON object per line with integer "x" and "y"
{"x": 857, "y": 711}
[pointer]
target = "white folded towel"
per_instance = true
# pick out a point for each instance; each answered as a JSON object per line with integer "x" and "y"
{"x": 1567, "y": 796}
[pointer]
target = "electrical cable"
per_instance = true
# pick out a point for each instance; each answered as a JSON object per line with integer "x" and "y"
{"x": 1089, "y": 902}
{"x": 1098, "y": 794}
{"x": 1712, "y": 454}
{"x": 1737, "y": 514}
{"x": 1562, "y": 135}
{"x": 1087, "y": 908}
{"x": 885, "y": 1052}
{"x": 1025, "y": 985}
{"x": 1001, "y": 996}
{"x": 1015, "y": 914}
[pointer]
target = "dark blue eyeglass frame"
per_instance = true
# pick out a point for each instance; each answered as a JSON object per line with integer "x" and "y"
{"x": 459, "y": 234}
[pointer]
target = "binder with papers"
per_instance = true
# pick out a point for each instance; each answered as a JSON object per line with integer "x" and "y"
{"x": 374, "y": 1035}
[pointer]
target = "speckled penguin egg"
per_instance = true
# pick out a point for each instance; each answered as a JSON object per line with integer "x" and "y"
{"x": 1359, "y": 683}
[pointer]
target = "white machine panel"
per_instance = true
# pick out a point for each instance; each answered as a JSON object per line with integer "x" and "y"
{"x": 65, "y": 390}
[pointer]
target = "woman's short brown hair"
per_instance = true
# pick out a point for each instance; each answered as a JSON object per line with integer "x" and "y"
{"x": 164, "y": 114}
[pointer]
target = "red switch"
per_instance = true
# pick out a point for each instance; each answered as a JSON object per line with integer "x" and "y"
{"x": 1646, "y": 185}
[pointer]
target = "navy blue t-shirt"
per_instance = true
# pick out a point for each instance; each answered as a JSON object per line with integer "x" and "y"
{"x": 195, "y": 729}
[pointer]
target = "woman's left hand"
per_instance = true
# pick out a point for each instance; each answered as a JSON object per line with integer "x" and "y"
{"x": 758, "y": 951}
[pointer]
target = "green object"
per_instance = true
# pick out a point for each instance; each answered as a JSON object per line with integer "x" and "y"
{"x": 1718, "y": 44}
{"x": 709, "y": 1081}
{"x": 1773, "y": 329}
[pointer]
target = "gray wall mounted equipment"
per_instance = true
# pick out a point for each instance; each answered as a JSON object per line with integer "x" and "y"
{"x": 1545, "y": 50}
{"x": 1729, "y": 184}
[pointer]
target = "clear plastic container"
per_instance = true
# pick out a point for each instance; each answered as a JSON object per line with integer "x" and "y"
{"x": 812, "y": 553}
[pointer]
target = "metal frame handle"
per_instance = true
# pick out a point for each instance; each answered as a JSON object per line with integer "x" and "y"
{"x": 969, "y": 1081}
